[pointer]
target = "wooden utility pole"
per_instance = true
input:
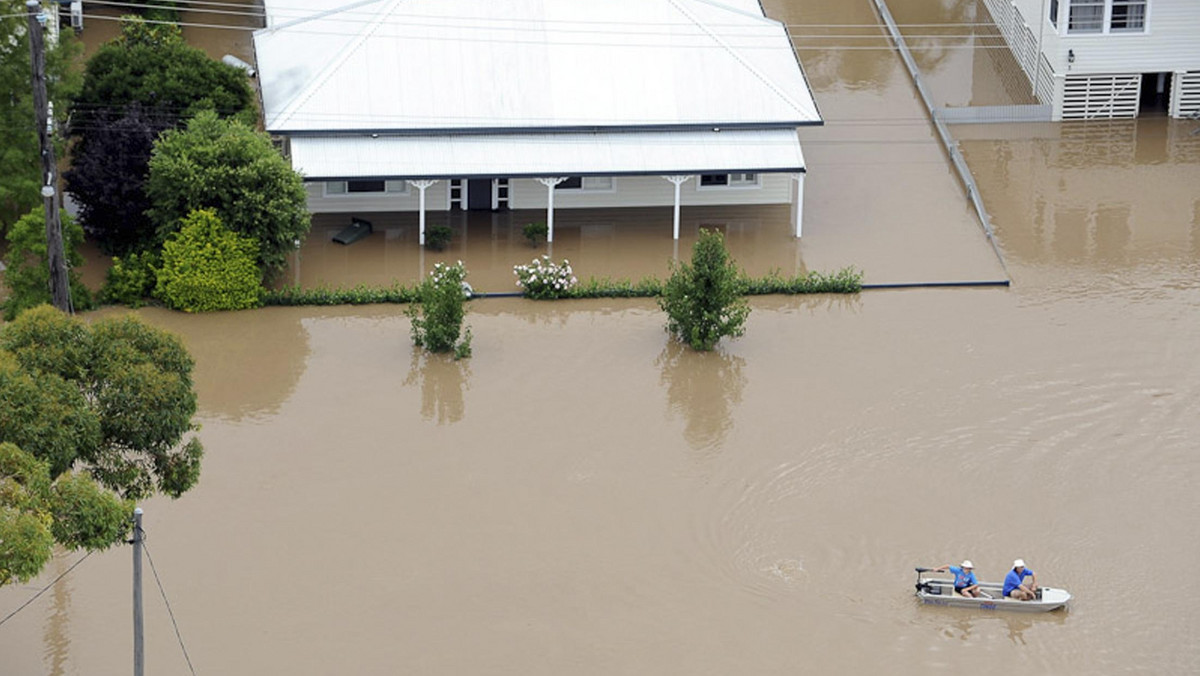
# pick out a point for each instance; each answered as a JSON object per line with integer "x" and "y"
{"x": 60, "y": 289}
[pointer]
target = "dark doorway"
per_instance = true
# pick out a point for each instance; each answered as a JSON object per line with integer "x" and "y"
{"x": 479, "y": 194}
{"x": 1155, "y": 97}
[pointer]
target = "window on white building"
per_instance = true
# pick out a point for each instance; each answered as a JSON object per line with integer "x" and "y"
{"x": 743, "y": 180}
{"x": 1054, "y": 13}
{"x": 586, "y": 183}
{"x": 1128, "y": 16}
{"x": 1103, "y": 16}
{"x": 1085, "y": 16}
{"x": 333, "y": 188}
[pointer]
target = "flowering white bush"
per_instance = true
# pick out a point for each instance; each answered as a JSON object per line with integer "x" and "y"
{"x": 543, "y": 278}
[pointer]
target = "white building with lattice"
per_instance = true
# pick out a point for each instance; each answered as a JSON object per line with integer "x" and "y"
{"x": 1101, "y": 59}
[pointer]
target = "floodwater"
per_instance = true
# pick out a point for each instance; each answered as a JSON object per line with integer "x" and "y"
{"x": 584, "y": 497}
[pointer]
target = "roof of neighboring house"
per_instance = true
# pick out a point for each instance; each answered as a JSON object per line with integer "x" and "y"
{"x": 502, "y": 66}
{"x": 535, "y": 155}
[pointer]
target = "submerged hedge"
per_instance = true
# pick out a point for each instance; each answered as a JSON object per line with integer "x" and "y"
{"x": 846, "y": 280}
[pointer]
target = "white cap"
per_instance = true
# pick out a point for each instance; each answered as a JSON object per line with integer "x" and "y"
{"x": 1019, "y": 563}
{"x": 966, "y": 564}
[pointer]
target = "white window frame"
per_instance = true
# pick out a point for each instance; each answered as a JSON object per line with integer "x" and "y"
{"x": 389, "y": 188}
{"x": 591, "y": 184}
{"x": 732, "y": 183}
{"x": 1106, "y": 28}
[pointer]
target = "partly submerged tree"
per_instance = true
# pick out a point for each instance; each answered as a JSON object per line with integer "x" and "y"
{"x": 20, "y": 156}
{"x": 703, "y": 300}
{"x": 206, "y": 267}
{"x": 227, "y": 166}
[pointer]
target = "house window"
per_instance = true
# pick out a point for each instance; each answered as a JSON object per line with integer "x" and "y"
{"x": 1085, "y": 16}
{"x": 1103, "y": 16}
{"x": 368, "y": 187}
{"x": 742, "y": 180}
{"x": 1128, "y": 16}
{"x": 587, "y": 183}
{"x": 1054, "y": 13}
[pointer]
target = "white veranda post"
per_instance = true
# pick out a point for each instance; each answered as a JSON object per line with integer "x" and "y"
{"x": 677, "y": 181}
{"x": 799, "y": 215}
{"x": 550, "y": 183}
{"x": 421, "y": 186}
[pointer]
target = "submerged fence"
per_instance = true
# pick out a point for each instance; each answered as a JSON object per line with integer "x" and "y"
{"x": 951, "y": 146}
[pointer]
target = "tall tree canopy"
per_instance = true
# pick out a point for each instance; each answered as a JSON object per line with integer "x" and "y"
{"x": 143, "y": 82}
{"x": 113, "y": 397}
{"x": 92, "y": 417}
{"x": 20, "y": 156}
{"x": 226, "y": 166}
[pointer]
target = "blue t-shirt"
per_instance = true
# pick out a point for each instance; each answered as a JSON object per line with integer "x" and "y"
{"x": 1013, "y": 579}
{"x": 963, "y": 578}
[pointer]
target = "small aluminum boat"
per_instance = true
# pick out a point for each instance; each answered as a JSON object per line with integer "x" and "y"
{"x": 940, "y": 592}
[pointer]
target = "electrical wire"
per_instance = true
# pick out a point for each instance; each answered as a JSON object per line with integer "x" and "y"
{"x": 44, "y": 589}
{"x": 170, "y": 612}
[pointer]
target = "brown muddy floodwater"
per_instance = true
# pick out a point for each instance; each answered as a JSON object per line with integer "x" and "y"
{"x": 584, "y": 497}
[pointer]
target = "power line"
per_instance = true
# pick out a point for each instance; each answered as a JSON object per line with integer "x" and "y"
{"x": 703, "y": 41}
{"x": 244, "y": 9}
{"x": 170, "y": 612}
{"x": 44, "y": 589}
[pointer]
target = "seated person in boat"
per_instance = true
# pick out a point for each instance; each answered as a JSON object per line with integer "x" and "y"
{"x": 1014, "y": 585}
{"x": 964, "y": 578}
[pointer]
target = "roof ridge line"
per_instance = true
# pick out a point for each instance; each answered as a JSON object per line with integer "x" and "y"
{"x": 336, "y": 62}
{"x": 738, "y": 57}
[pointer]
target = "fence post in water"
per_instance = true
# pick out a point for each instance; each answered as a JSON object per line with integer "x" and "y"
{"x": 139, "y": 654}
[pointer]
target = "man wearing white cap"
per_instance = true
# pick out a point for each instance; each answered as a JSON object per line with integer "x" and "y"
{"x": 1014, "y": 585}
{"x": 964, "y": 578}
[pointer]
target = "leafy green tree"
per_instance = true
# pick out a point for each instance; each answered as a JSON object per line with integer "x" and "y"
{"x": 703, "y": 300}
{"x": 206, "y": 266}
{"x": 113, "y": 397}
{"x": 36, "y": 513}
{"x": 143, "y": 82}
{"x": 151, "y": 65}
{"x": 27, "y": 272}
{"x": 437, "y": 317}
{"x": 20, "y": 156}
{"x": 226, "y": 166}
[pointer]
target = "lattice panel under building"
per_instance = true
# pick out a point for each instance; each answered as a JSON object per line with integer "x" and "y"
{"x": 1186, "y": 91}
{"x": 1101, "y": 97}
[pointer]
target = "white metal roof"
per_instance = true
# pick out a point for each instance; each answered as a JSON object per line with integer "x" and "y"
{"x": 516, "y": 155}
{"x": 377, "y": 65}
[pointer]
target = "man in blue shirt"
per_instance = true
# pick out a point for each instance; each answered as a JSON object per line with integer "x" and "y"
{"x": 964, "y": 578}
{"x": 1014, "y": 586}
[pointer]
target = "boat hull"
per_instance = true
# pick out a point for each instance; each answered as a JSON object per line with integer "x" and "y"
{"x": 940, "y": 593}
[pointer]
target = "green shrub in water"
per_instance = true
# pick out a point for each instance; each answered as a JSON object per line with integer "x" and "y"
{"x": 206, "y": 267}
{"x": 535, "y": 231}
{"x": 131, "y": 279}
{"x": 437, "y": 237}
{"x": 437, "y": 316}
{"x": 703, "y": 300}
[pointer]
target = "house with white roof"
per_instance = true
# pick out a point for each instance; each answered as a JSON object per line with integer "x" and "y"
{"x": 1103, "y": 59}
{"x": 421, "y": 105}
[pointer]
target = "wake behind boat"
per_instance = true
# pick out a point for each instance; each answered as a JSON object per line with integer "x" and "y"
{"x": 940, "y": 592}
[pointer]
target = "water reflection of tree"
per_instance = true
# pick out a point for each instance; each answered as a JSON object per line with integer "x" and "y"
{"x": 443, "y": 382}
{"x": 704, "y": 388}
